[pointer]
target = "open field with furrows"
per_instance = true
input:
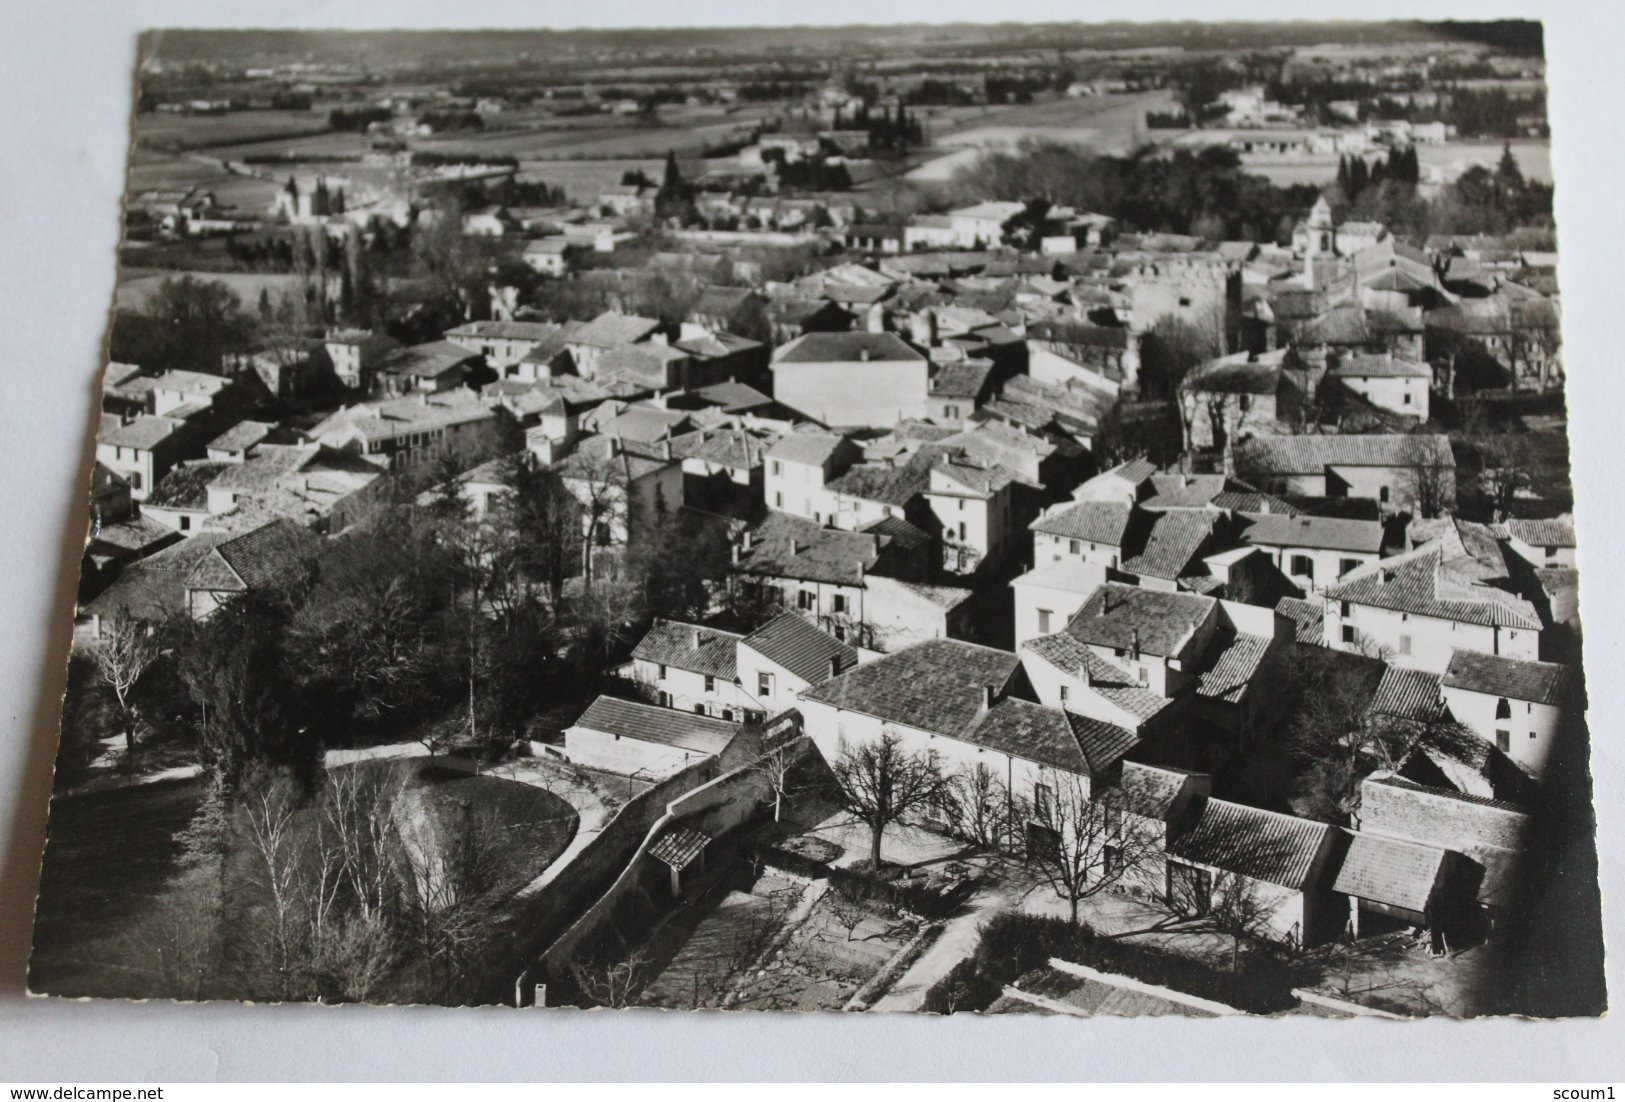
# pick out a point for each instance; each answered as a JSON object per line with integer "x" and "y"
{"x": 1106, "y": 124}
{"x": 200, "y": 131}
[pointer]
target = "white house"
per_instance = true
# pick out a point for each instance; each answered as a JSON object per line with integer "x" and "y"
{"x": 852, "y": 379}
{"x": 1517, "y": 705}
{"x": 691, "y": 668}
{"x": 1047, "y": 596}
{"x": 642, "y": 740}
{"x": 1396, "y": 385}
{"x": 1313, "y": 552}
{"x": 779, "y": 660}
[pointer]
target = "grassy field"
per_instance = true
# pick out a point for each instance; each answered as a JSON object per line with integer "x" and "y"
{"x": 137, "y": 285}
{"x": 108, "y": 858}
{"x": 199, "y": 131}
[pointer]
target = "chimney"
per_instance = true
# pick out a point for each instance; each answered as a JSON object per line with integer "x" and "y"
{"x": 863, "y": 354}
{"x": 1083, "y": 673}
{"x": 747, "y": 539}
{"x": 614, "y": 446}
{"x": 1134, "y": 643}
{"x": 990, "y": 693}
{"x": 1264, "y": 506}
{"x": 695, "y": 638}
{"x": 795, "y": 547}
{"x": 834, "y": 664}
{"x": 735, "y": 550}
{"x": 665, "y": 449}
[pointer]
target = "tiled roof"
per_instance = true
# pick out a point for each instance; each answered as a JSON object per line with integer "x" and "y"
{"x": 1241, "y": 373}
{"x": 185, "y": 487}
{"x": 256, "y": 559}
{"x": 664, "y": 726}
{"x": 1050, "y": 736}
{"x": 1407, "y": 694}
{"x": 1313, "y": 454}
{"x": 1513, "y": 678}
{"x": 154, "y": 588}
{"x": 1384, "y": 366}
{"x": 733, "y": 397}
{"x": 794, "y": 643}
{"x": 1106, "y": 680}
{"x": 733, "y": 448}
{"x": 812, "y": 448}
{"x": 1232, "y": 668}
{"x": 689, "y": 647}
{"x": 1175, "y": 539}
{"x": 679, "y": 847}
{"x": 786, "y": 546}
{"x": 943, "y": 596}
{"x": 1541, "y": 533}
{"x": 847, "y": 348}
{"x": 1422, "y": 582}
{"x": 934, "y": 686}
{"x": 241, "y": 436}
{"x": 1118, "y": 615}
{"x": 1068, "y": 575}
{"x": 505, "y": 330}
{"x": 598, "y": 457}
{"x": 888, "y": 485}
{"x": 424, "y": 361}
{"x": 1326, "y": 533}
{"x": 960, "y": 380}
{"x": 144, "y": 432}
{"x": 1150, "y": 790}
{"x": 1256, "y": 844}
{"x": 901, "y": 533}
{"x": 1389, "y": 871}
{"x": 612, "y": 330}
{"x": 1095, "y": 521}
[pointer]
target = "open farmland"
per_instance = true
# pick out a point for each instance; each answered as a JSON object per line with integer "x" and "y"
{"x": 1105, "y": 124}
{"x": 150, "y": 170}
{"x": 206, "y": 131}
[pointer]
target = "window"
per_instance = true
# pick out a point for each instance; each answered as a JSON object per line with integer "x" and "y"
{"x": 699, "y": 709}
{"x": 1113, "y": 818}
{"x": 778, "y": 499}
{"x": 1184, "y": 301}
{"x": 665, "y": 699}
{"x": 1303, "y": 566}
{"x": 838, "y": 603}
{"x": 961, "y": 526}
{"x": 778, "y": 468}
{"x": 1064, "y": 695}
{"x": 662, "y": 672}
{"x": 1072, "y": 546}
{"x": 1503, "y": 710}
{"x": 1043, "y": 621}
{"x": 1145, "y": 675}
{"x": 1348, "y": 633}
{"x": 1043, "y": 796}
{"x": 1551, "y": 552}
{"x": 1382, "y": 495}
{"x": 961, "y": 505}
{"x": 728, "y": 714}
{"x": 1190, "y": 889}
{"x": 764, "y": 684}
{"x": 1404, "y": 644}
{"x": 951, "y": 412}
{"x": 1111, "y": 860}
{"x": 186, "y": 523}
{"x": 840, "y": 633}
{"x": 805, "y": 600}
{"x": 710, "y": 684}
{"x": 1345, "y": 565}
{"x": 1503, "y": 740}
{"x": 1342, "y": 608}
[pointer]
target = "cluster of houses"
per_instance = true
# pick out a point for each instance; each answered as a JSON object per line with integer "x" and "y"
{"x": 907, "y": 471}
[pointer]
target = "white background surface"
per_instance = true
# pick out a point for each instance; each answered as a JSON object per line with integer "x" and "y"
{"x": 63, "y": 140}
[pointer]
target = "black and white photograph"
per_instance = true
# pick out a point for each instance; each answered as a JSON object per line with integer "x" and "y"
{"x": 1049, "y": 519}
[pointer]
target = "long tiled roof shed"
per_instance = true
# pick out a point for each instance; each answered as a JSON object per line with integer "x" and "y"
{"x": 1391, "y": 872}
{"x": 690, "y": 647}
{"x": 665, "y": 726}
{"x": 1421, "y": 583}
{"x": 786, "y": 546}
{"x": 1257, "y": 844}
{"x": 1407, "y": 694}
{"x": 1541, "y": 533}
{"x": 1313, "y": 454}
{"x": 790, "y": 641}
{"x": 1516, "y": 679}
{"x": 937, "y": 686}
{"x": 1323, "y": 533}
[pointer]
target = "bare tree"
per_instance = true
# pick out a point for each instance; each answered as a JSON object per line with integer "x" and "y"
{"x": 880, "y": 783}
{"x": 978, "y": 805}
{"x": 126, "y": 653}
{"x": 1224, "y": 902}
{"x": 270, "y": 803}
{"x": 1430, "y": 477}
{"x": 611, "y": 983}
{"x": 1082, "y": 846}
{"x": 777, "y": 768}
